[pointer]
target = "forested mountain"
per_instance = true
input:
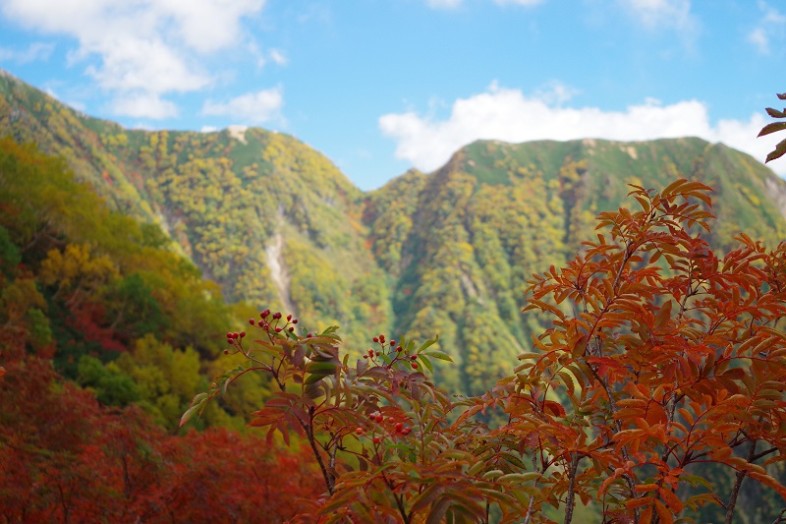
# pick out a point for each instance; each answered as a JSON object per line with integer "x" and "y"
{"x": 275, "y": 223}
{"x": 126, "y": 254}
{"x": 461, "y": 243}
{"x": 268, "y": 218}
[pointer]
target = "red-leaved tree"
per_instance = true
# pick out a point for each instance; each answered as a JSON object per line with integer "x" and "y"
{"x": 664, "y": 361}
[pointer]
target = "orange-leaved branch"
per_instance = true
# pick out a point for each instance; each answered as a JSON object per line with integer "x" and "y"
{"x": 665, "y": 362}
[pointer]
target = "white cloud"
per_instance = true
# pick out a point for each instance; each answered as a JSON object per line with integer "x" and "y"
{"x": 511, "y": 116}
{"x": 278, "y": 57}
{"x": 661, "y": 13}
{"x": 146, "y": 48}
{"x": 254, "y": 108}
{"x": 151, "y": 66}
{"x": 33, "y": 53}
{"x": 262, "y": 58}
{"x": 771, "y": 15}
{"x": 771, "y": 25}
{"x": 758, "y": 37}
{"x": 143, "y": 105}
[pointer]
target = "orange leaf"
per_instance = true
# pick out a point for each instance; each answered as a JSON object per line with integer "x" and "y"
{"x": 666, "y": 517}
{"x": 671, "y": 499}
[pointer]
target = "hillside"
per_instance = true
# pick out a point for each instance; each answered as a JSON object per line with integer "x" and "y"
{"x": 461, "y": 243}
{"x": 275, "y": 223}
{"x": 105, "y": 336}
{"x": 269, "y": 219}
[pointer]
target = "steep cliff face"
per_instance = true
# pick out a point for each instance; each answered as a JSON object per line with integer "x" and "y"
{"x": 276, "y": 224}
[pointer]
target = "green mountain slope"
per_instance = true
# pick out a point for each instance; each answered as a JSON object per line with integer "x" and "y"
{"x": 276, "y": 224}
{"x": 269, "y": 219}
{"x": 462, "y": 242}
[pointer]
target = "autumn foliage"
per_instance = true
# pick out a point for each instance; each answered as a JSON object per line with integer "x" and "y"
{"x": 104, "y": 338}
{"x": 665, "y": 363}
{"x": 653, "y": 393}
{"x": 64, "y": 458}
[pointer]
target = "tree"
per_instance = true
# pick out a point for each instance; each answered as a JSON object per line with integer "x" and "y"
{"x": 668, "y": 357}
{"x": 662, "y": 358}
{"x": 64, "y": 458}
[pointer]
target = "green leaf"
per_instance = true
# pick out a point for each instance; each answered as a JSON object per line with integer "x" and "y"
{"x": 317, "y": 370}
{"x": 329, "y": 331}
{"x": 196, "y": 405}
{"x": 439, "y": 355}
{"x": 520, "y": 477}
{"x": 427, "y": 344}
{"x": 321, "y": 367}
{"x": 427, "y": 363}
{"x": 493, "y": 474}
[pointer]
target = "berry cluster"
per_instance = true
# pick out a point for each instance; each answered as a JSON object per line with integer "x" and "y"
{"x": 268, "y": 321}
{"x": 233, "y": 337}
{"x": 390, "y": 353}
{"x": 388, "y": 424}
{"x": 272, "y": 323}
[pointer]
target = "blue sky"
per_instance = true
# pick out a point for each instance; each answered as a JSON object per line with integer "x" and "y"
{"x": 380, "y": 86}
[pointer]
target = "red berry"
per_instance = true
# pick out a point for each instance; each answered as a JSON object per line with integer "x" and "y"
{"x": 377, "y": 440}
{"x": 382, "y": 338}
{"x": 289, "y": 317}
{"x": 265, "y": 313}
{"x": 392, "y": 342}
{"x": 375, "y": 339}
{"x": 399, "y": 349}
{"x": 291, "y": 329}
{"x": 277, "y": 315}
{"x": 251, "y": 321}
{"x": 359, "y": 431}
{"x": 413, "y": 357}
{"x": 279, "y": 330}
{"x": 414, "y": 365}
{"x": 294, "y": 321}
{"x": 242, "y": 334}
{"x": 406, "y": 431}
{"x": 399, "y": 426}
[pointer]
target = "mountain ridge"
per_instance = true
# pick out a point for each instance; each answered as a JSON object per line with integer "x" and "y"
{"x": 276, "y": 223}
